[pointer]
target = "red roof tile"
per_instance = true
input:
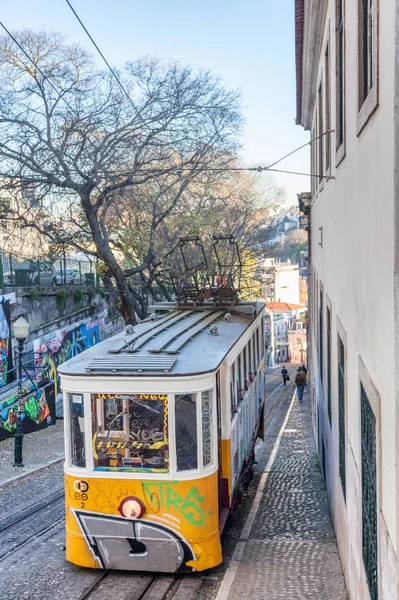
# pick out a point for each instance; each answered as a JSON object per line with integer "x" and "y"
{"x": 283, "y": 306}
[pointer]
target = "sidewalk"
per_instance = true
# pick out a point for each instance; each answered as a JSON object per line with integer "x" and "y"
{"x": 40, "y": 448}
{"x": 287, "y": 548}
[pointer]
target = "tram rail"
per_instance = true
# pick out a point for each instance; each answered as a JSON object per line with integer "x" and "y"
{"x": 32, "y": 508}
{"x": 143, "y": 587}
{"x": 9, "y": 545}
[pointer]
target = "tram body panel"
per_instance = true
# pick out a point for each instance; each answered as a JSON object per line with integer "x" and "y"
{"x": 178, "y": 531}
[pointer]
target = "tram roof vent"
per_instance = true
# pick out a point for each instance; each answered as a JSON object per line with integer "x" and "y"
{"x": 129, "y": 329}
{"x": 131, "y": 364}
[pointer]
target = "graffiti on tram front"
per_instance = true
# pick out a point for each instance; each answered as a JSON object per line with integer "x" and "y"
{"x": 162, "y": 495}
{"x": 119, "y": 543}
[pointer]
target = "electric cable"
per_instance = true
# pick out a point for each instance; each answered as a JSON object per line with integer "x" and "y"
{"x": 102, "y": 56}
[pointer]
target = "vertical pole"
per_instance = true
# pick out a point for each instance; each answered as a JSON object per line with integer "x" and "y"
{"x": 272, "y": 337}
{"x": 64, "y": 257}
{"x": 18, "y": 436}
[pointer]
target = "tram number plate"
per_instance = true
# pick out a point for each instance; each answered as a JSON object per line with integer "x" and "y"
{"x": 81, "y": 487}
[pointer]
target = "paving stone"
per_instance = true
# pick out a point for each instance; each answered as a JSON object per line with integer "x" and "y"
{"x": 291, "y": 552}
{"x": 40, "y": 448}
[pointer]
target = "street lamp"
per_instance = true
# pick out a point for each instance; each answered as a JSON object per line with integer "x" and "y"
{"x": 20, "y": 331}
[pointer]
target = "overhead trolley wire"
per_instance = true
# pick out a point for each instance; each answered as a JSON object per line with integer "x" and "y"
{"x": 102, "y": 56}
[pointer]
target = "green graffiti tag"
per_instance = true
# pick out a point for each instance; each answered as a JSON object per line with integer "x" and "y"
{"x": 161, "y": 495}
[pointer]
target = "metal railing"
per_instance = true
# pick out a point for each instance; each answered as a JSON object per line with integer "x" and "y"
{"x": 19, "y": 272}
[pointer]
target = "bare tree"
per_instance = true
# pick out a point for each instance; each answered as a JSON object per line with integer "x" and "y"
{"x": 69, "y": 130}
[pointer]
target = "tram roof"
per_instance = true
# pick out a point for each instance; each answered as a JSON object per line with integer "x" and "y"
{"x": 177, "y": 341}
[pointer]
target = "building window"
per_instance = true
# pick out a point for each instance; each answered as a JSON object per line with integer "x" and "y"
{"x": 313, "y": 162}
{"x": 365, "y": 25}
{"x": 367, "y": 60}
{"x": 369, "y": 494}
{"x": 340, "y": 77}
{"x": 329, "y": 363}
{"x": 327, "y": 106}
{"x": 341, "y": 415}
{"x": 320, "y": 141}
{"x": 321, "y": 336}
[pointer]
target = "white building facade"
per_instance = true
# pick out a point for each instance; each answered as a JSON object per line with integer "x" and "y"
{"x": 348, "y": 98}
{"x": 280, "y": 281}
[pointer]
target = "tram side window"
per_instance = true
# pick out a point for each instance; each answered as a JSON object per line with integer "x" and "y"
{"x": 233, "y": 390}
{"x": 251, "y": 370}
{"x": 245, "y": 364}
{"x": 240, "y": 386}
{"x": 256, "y": 342}
{"x": 186, "y": 432}
{"x": 77, "y": 414}
{"x": 262, "y": 340}
{"x": 207, "y": 428}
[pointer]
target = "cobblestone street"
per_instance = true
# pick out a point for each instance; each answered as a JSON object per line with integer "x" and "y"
{"x": 291, "y": 551}
{"x": 40, "y": 448}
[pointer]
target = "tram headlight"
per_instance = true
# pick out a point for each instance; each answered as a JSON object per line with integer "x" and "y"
{"x": 131, "y": 507}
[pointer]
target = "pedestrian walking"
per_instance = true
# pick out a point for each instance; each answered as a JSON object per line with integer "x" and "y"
{"x": 300, "y": 381}
{"x": 285, "y": 375}
{"x": 305, "y": 371}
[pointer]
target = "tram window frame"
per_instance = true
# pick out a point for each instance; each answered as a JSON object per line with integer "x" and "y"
{"x": 196, "y": 429}
{"x": 244, "y": 353}
{"x": 251, "y": 370}
{"x": 76, "y": 424}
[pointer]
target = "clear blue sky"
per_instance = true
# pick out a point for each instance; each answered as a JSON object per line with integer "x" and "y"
{"x": 248, "y": 43}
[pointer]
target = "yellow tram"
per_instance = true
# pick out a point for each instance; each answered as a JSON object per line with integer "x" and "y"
{"x": 160, "y": 426}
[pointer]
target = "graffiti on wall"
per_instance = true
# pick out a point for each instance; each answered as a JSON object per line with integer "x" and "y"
{"x": 5, "y": 345}
{"x": 37, "y": 410}
{"x": 63, "y": 344}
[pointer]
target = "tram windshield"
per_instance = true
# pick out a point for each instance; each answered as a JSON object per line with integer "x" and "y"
{"x": 130, "y": 432}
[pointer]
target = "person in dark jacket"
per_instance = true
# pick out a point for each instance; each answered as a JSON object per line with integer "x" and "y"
{"x": 300, "y": 381}
{"x": 285, "y": 375}
{"x": 305, "y": 371}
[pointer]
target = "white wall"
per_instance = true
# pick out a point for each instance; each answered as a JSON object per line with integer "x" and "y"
{"x": 287, "y": 284}
{"x": 355, "y": 265}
